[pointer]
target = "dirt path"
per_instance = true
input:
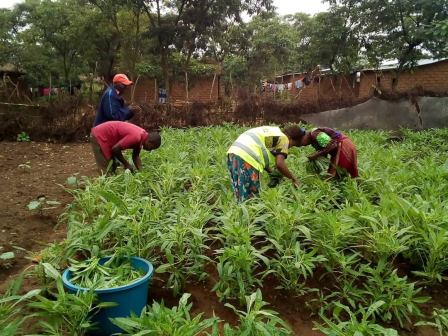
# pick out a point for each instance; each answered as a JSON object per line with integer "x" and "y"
{"x": 29, "y": 171}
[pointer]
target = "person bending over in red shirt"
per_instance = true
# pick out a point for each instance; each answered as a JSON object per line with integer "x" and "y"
{"x": 109, "y": 139}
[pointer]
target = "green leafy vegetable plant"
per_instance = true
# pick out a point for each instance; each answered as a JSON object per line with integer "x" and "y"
{"x": 439, "y": 321}
{"x": 158, "y": 319}
{"x": 23, "y": 137}
{"x": 92, "y": 274}
{"x": 256, "y": 320}
{"x": 358, "y": 322}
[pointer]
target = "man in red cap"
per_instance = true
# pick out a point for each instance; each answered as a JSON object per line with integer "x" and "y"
{"x": 112, "y": 106}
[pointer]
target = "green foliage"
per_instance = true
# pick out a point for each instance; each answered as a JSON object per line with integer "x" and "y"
{"x": 67, "y": 314}
{"x": 439, "y": 321}
{"x": 329, "y": 39}
{"x": 23, "y": 137}
{"x": 115, "y": 272}
{"x": 348, "y": 235}
{"x": 256, "y": 320}
{"x": 236, "y": 268}
{"x": 398, "y": 29}
{"x": 317, "y": 166}
{"x": 11, "y": 316}
{"x": 239, "y": 259}
{"x": 57, "y": 41}
{"x": 42, "y": 204}
{"x": 400, "y": 297}
{"x": 160, "y": 320}
{"x": 150, "y": 70}
{"x": 358, "y": 323}
{"x": 293, "y": 265}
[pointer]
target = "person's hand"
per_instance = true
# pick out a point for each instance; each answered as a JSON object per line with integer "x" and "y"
{"x": 135, "y": 108}
{"x": 130, "y": 168}
{"x": 295, "y": 183}
{"x": 312, "y": 158}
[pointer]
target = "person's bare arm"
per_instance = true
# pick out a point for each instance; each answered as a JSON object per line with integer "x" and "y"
{"x": 117, "y": 153}
{"x": 136, "y": 158}
{"x": 283, "y": 168}
{"x": 331, "y": 146}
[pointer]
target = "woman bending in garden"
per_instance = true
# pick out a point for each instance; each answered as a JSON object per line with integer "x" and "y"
{"x": 329, "y": 141}
{"x": 255, "y": 151}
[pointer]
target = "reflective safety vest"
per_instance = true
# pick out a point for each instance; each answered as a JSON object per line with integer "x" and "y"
{"x": 251, "y": 146}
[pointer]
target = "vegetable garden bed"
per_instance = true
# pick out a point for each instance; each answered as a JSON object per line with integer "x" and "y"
{"x": 367, "y": 255}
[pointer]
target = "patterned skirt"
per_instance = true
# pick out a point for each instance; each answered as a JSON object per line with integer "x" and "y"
{"x": 347, "y": 157}
{"x": 245, "y": 178}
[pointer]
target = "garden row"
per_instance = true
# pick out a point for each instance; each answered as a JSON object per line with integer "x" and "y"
{"x": 364, "y": 251}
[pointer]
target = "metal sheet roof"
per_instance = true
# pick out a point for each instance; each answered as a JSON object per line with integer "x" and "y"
{"x": 393, "y": 64}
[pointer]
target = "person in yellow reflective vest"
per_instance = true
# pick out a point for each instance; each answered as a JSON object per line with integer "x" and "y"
{"x": 257, "y": 150}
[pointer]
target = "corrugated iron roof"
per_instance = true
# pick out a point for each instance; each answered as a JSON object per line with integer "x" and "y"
{"x": 393, "y": 64}
{"x": 386, "y": 65}
{"x": 322, "y": 72}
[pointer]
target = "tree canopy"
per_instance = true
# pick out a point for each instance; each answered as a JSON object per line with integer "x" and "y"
{"x": 245, "y": 39}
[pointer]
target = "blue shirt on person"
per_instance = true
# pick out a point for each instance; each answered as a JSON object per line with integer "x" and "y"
{"x": 112, "y": 107}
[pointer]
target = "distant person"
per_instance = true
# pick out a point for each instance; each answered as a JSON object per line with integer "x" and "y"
{"x": 112, "y": 106}
{"x": 328, "y": 141}
{"x": 255, "y": 151}
{"x": 162, "y": 95}
{"x": 112, "y": 137}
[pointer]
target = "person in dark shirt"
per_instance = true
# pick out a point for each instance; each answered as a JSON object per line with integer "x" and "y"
{"x": 112, "y": 106}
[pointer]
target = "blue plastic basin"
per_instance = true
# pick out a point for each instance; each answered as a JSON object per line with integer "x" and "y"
{"x": 129, "y": 298}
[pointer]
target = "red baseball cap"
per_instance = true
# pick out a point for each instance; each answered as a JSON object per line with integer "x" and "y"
{"x": 121, "y": 79}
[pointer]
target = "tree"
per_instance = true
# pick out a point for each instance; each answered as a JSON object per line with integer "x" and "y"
{"x": 179, "y": 25}
{"x": 261, "y": 48}
{"x": 119, "y": 37}
{"x": 405, "y": 30}
{"x": 330, "y": 40}
{"x": 6, "y": 36}
{"x": 60, "y": 26}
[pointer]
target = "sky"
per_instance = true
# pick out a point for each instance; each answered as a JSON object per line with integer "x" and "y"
{"x": 284, "y": 6}
{"x": 293, "y": 6}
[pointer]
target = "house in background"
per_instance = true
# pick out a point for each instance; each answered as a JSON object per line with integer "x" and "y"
{"x": 428, "y": 76}
{"x": 202, "y": 89}
{"x": 328, "y": 90}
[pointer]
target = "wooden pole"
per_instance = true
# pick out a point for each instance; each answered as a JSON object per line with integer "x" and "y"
{"x": 186, "y": 86}
{"x": 213, "y": 85}
{"x": 134, "y": 87}
{"x": 49, "y": 93}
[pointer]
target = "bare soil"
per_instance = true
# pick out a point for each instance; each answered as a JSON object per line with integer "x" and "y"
{"x": 31, "y": 170}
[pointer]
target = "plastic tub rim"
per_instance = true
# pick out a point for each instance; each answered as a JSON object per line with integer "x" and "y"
{"x": 139, "y": 281}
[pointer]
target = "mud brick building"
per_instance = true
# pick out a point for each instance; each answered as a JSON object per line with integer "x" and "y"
{"x": 429, "y": 77}
{"x": 203, "y": 89}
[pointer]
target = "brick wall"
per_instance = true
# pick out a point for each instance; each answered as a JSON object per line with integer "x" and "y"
{"x": 430, "y": 78}
{"x": 325, "y": 92}
{"x": 333, "y": 91}
{"x": 199, "y": 90}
